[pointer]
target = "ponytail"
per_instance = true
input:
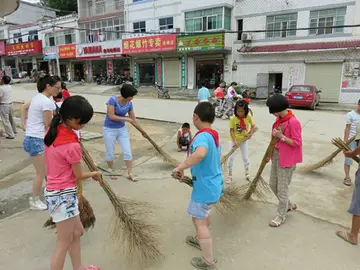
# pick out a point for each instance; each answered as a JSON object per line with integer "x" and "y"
{"x": 53, "y": 130}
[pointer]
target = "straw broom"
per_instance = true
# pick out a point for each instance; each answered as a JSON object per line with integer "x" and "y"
{"x": 87, "y": 215}
{"x": 129, "y": 229}
{"x": 326, "y": 161}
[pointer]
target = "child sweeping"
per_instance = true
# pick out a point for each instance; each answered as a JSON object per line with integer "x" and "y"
{"x": 239, "y": 134}
{"x": 204, "y": 160}
{"x": 287, "y": 153}
{"x": 63, "y": 162}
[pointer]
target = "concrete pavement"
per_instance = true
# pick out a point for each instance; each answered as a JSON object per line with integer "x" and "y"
{"x": 304, "y": 242}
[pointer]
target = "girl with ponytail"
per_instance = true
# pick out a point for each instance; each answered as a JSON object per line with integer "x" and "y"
{"x": 63, "y": 156}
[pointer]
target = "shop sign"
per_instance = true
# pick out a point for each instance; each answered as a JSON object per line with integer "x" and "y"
{"x": 183, "y": 72}
{"x": 159, "y": 78}
{"x": 99, "y": 50}
{"x": 50, "y": 53}
{"x": 202, "y": 42}
{"x": 2, "y": 47}
{"x": 154, "y": 43}
{"x": 136, "y": 84}
{"x": 32, "y": 47}
{"x": 67, "y": 51}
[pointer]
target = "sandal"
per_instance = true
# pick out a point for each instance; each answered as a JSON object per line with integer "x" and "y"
{"x": 347, "y": 182}
{"x": 192, "y": 241}
{"x": 91, "y": 267}
{"x": 132, "y": 177}
{"x": 345, "y": 236}
{"x": 201, "y": 263}
{"x": 229, "y": 180}
{"x": 112, "y": 177}
{"x": 277, "y": 222}
{"x": 293, "y": 208}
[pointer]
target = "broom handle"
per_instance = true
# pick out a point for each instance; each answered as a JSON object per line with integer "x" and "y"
{"x": 79, "y": 188}
{"x": 267, "y": 154}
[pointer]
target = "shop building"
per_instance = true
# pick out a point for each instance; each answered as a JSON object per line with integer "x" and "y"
{"x": 323, "y": 56}
{"x": 154, "y": 59}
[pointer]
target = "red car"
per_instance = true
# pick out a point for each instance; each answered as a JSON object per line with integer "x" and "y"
{"x": 303, "y": 96}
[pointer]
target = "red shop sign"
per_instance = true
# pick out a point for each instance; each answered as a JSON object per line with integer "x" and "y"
{"x": 99, "y": 49}
{"x": 32, "y": 47}
{"x": 149, "y": 44}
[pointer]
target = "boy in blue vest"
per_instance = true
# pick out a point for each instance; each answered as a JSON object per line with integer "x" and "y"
{"x": 204, "y": 161}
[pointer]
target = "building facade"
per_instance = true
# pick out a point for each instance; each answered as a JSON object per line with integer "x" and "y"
{"x": 304, "y": 43}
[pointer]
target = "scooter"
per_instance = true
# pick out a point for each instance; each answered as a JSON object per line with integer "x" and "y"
{"x": 162, "y": 92}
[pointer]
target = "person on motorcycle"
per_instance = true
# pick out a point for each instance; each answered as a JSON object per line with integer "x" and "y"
{"x": 231, "y": 94}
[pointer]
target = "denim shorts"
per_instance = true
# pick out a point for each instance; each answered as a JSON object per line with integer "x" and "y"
{"x": 199, "y": 210}
{"x": 62, "y": 204}
{"x": 33, "y": 146}
{"x": 354, "y": 208}
{"x": 353, "y": 145}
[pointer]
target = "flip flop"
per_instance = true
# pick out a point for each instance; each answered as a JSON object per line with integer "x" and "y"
{"x": 345, "y": 236}
{"x": 347, "y": 182}
{"x": 131, "y": 177}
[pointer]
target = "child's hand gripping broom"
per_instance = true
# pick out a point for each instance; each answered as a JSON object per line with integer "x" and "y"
{"x": 87, "y": 215}
{"x": 338, "y": 142}
{"x": 323, "y": 162}
{"x": 129, "y": 228}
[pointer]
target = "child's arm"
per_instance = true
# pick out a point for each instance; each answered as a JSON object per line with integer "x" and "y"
{"x": 190, "y": 135}
{"x": 347, "y": 132}
{"x": 81, "y": 175}
{"x": 352, "y": 154}
{"x": 192, "y": 160}
{"x": 232, "y": 134}
{"x": 295, "y": 131}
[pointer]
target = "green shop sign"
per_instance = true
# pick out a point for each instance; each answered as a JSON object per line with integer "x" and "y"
{"x": 202, "y": 42}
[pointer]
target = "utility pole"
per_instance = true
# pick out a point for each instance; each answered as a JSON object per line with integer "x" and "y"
{"x": 57, "y": 54}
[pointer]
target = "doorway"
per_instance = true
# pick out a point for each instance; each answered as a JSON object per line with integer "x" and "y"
{"x": 79, "y": 72}
{"x": 275, "y": 81}
{"x": 147, "y": 74}
{"x": 210, "y": 72}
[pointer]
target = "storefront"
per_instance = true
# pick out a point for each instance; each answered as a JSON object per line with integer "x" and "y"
{"x": 28, "y": 56}
{"x": 203, "y": 55}
{"x": 66, "y": 54}
{"x": 50, "y": 55}
{"x": 102, "y": 59}
{"x": 154, "y": 59}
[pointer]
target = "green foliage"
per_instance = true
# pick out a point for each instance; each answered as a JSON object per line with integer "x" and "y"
{"x": 65, "y": 6}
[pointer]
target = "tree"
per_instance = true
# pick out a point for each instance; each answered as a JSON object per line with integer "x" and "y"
{"x": 65, "y": 6}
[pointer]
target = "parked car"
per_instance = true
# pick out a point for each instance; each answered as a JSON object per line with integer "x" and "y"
{"x": 303, "y": 96}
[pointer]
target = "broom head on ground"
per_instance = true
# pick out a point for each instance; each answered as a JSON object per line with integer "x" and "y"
{"x": 129, "y": 227}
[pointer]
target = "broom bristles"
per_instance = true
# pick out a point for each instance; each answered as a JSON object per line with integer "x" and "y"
{"x": 338, "y": 142}
{"x": 324, "y": 162}
{"x": 129, "y": 227}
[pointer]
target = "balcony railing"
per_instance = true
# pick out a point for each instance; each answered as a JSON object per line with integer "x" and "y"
{"x": 101, "y": 10}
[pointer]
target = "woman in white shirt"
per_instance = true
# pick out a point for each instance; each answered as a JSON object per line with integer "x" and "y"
{"x": 231, "y": 93}
{"x": 36, "y": 118}
{"x": 6, "y": 108}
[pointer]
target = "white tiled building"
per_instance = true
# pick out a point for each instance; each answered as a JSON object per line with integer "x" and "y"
{"x": 325, "y": 57}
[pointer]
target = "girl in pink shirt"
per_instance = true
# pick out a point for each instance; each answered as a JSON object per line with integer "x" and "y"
{"x": 287, "y": 153}
{"x": 63, "y": 163}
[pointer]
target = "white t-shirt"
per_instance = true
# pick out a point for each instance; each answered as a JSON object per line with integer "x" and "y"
{"x": 231, "y": 93}
{"x": 35, "y": 124}
{"x": 352, "y": 119}
{"x": 5, "y": 94}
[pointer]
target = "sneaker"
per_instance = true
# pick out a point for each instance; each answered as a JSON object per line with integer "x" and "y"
{"x": 37, "y": 204}
{"x": 200, "y": 263}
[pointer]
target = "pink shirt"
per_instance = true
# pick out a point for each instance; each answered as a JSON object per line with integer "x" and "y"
{"x": 59, "y": 161}
{"x": 290, "y": 155}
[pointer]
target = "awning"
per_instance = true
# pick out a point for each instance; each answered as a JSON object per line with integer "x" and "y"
{"x": 317, "y": 46}
{"x": 8, "y": 7}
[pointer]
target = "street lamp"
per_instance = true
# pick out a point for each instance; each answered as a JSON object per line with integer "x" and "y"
{"x": 8, "y": 7}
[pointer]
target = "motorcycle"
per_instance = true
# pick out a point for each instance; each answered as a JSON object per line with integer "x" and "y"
{"x": 162, "y": 92}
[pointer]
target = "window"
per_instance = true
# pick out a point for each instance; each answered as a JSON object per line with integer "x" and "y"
{"x": 208, "y": 19}
{"x": 139, "y": 27}
{"x": 33, "y": 35}
{"x": 110, "y": 29}
{"x": 281, "y": 26}
{"x": 17, "y": 38}
{"x": 240, "y": 29}
{"x": 51, "y": 41}
{"x": 166, "y": 23}
{"x": 100, "y": 7}
{"x": 60, "y": 38}
{"x": 324, "y": 20}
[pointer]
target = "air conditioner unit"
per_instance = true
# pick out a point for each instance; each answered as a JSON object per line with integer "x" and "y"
{"x": 246, "y": 37}
{"x": 177, "y": 30}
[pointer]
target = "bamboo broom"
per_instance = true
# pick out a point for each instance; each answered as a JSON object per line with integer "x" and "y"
{"x": 258, "y": 185}
{"x": 87, "y": 215}
{"x": 338, "y": 142}
{"x": 326, "y": 161}
{"x": 129, "y": 228}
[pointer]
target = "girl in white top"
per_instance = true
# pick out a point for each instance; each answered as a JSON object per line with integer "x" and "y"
{"x": 35, "y": 118}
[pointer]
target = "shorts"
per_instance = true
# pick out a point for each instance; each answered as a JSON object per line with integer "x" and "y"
{"x": 353, "y": 145}
{"x": 184, "y": 142}
{"x": 355, "y": 201}
{"x": 199, "y": 210}
{"x": 33, "y": 146}
{"x": 62, "y": 204}
{"x": 229, "y": 102}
